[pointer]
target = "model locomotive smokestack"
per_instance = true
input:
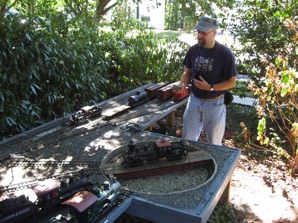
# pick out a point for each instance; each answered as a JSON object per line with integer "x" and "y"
{"x": 131, "y": 145}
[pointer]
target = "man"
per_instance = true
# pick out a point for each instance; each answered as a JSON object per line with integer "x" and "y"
{"x": 210, "y": 69}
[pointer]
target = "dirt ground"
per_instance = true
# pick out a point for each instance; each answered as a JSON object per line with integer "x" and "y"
{"x": 262, "y": 191}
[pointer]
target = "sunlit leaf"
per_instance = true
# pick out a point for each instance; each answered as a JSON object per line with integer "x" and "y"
{"x": 296, "y": 88}
{"x": 28, "y": 36}
{"x": 10, "y": 121}
{"x": 33, "y": 89}
{"x": 284, "y": 91}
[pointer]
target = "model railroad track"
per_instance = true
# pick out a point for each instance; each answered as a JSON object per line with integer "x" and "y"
{"x": 12, "y": 141}
{"x": 58, "y": 163}
{"x": 151, "y": 107}
{"x": 124, "y": 194}
{"x": 36, "y": 141}
{"x": 60, "y": 133}
{"x": 52, "y": 137}
{"x": 91, "y": 168}
{"x": 56, "y": 131}
{"x": 43, "y": 135}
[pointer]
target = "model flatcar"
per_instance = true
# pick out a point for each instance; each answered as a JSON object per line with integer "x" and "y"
{"x": 86, "y": 112}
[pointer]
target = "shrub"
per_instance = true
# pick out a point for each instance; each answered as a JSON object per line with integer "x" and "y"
{"x": 46, "y": 70}
{"x": 278, "y": 109}
{"x": 136, "y": 55}
{"x": 263, "y": 28}
{"x": 52, "y": 65}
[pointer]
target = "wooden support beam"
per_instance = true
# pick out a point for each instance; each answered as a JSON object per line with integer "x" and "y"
{"x": 171, "y": 120}
{"x": 225, "y": 197}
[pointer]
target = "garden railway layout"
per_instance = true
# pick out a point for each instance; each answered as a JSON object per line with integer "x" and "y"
{"x": 74, "y": 147}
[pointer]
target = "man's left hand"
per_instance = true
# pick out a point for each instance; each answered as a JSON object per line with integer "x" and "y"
{"x": 202, "y": 84}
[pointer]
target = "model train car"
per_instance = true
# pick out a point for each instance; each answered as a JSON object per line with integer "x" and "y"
{"x": 87, "y": 111}
{"x": 86, "y": 206}
{"x": 164, "y": 149}
{"x": 161, "y": 91}
{"x": 39, "y": 198}
{"x": 139, "y": 97}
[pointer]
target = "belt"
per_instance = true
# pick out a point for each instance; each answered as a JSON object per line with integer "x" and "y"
{"x": 212, "y": 99}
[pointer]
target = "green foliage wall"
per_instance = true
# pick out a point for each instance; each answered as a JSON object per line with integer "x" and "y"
{"x": 265, "y": 30}
{"x": 137, "y": 55}
{"x": 46, "y": 70}
{"x": 52, "y": 64}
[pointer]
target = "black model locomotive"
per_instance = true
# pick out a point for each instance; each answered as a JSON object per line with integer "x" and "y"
{"x": 161, "y": 150}
{"x": 49, "y": 194}
{"x": 40, "y": 197}
{"x": 138, "y": 98}
{"x": 86, "y": 206}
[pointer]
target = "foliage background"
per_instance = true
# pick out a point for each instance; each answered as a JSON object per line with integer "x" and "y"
{"x": 53, "y": 64}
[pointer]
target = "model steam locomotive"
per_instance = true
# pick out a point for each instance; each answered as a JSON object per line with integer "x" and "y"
{"x": 48, "y": 194}
{"x": 164, "y": 149}
{"x": 87, "y": 205}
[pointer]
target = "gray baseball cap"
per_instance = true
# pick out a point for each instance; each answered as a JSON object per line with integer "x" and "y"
{"x": 206, "y": 23}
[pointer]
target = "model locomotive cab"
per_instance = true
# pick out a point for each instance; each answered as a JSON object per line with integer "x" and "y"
{"x": 161, "y": 150}
{"x": 87, "y": 205}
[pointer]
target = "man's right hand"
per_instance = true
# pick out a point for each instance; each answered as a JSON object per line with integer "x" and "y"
{"x": 178, "y": 88}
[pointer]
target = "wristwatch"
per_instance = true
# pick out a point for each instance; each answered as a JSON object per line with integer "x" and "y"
{"x": 211, "y": 87}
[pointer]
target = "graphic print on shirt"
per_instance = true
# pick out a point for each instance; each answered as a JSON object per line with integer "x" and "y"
{"x": 204, "y": 64}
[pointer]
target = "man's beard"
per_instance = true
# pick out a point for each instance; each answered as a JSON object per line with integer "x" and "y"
{"x": 201, "y": 42}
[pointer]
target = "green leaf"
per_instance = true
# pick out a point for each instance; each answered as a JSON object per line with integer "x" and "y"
{"x": 24, "y": 106}
{"x": 33, "y": 89}
{"x": 28, "y": 36}
{"x": 283, "y": 91}
{"x": 2, "y": 97}
{"x": 36, "y": 86}
{"x": 296, "y": 88}
{"x": 10, "y": 121}
{"x": 50, "y": 99}
{"x": 285, "y": 77}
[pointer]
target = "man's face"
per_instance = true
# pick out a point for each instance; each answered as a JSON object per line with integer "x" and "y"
{"x": 205, "y": 37}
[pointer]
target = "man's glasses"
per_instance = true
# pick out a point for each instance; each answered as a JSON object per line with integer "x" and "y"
{"x": 204, "y": 33}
